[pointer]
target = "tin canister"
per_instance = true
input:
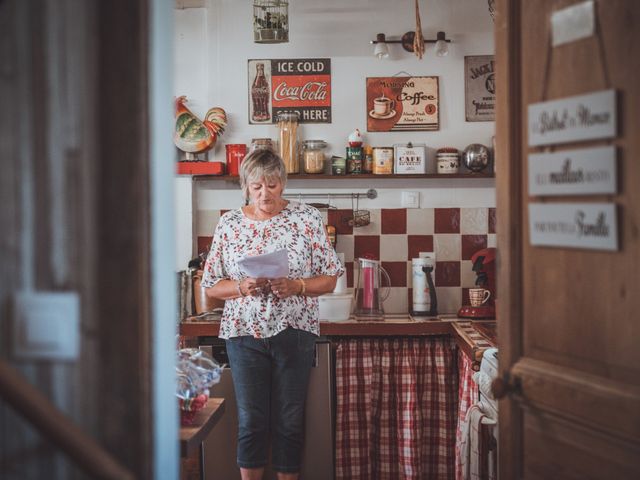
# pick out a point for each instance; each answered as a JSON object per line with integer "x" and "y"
{"x": 235, "y": 154}
{"x": 338, "y": 165}
{"x": 382, "y": 160}
{"x": 367, "y": 160}
{"x": 354, "y": 159}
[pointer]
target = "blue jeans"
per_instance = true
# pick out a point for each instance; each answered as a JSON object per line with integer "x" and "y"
{"x": 270, "y": 378}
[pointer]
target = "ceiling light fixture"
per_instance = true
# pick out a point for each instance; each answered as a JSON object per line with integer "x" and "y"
{"x": 382, "y": 51}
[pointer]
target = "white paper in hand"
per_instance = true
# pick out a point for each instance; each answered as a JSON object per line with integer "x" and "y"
{"x": 267, "y": 265}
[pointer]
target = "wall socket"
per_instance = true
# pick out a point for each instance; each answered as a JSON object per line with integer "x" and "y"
{"x": 410, "y": 200}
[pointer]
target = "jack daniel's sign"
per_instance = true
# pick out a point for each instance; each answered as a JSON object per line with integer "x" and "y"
{"x": 301, "y": 85}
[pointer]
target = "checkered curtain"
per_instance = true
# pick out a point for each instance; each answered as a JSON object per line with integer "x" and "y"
{"x": 397, "y": 404}
{"x": 467, "y": 396}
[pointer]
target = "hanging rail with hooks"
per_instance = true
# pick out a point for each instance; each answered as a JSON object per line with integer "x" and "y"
{"x": 370, "y": 194}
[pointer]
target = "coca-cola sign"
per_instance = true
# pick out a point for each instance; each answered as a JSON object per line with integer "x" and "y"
{"x": 302, "y": 85}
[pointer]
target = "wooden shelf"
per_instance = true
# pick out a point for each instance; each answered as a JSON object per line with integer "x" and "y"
{"x": 322, "y": 176}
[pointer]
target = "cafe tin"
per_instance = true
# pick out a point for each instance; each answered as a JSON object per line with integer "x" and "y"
{"x": 382, "y": 160}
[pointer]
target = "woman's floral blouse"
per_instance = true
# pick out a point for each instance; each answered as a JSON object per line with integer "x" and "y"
{"x": 298, "y": 228}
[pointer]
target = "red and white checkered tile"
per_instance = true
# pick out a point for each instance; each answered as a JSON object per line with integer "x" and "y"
{"x": 397, "y": 235}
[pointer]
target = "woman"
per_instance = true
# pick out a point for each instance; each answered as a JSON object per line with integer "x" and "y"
{"x": 270, "y": 324}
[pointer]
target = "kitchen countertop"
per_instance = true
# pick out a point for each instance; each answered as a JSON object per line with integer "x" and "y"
{"x": 473, "y": 337}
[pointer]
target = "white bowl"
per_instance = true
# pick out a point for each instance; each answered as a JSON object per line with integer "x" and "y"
{"x": 335, "y": 307}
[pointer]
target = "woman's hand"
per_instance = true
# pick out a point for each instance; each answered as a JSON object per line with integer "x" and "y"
{"x": 253, "y": 286}
{"x": 285, "y": 287}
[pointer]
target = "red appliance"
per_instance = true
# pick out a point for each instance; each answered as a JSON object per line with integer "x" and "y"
{"x": 484, "y": 264}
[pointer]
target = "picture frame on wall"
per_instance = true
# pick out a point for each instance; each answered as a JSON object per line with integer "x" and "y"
{"x": 403, "y": 104}
{"x": 479, "y": 88}
{"x": 301, "y": 85}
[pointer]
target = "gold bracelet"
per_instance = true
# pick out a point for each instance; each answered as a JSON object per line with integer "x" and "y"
{"x": 240, "y": 290}
{"x": 304, "y": 286}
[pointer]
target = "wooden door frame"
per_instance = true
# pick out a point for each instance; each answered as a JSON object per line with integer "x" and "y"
{"x": 124, "y": 246}
{"x": 509, "y": 165}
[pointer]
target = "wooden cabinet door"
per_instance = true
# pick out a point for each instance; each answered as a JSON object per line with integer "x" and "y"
{"x": 568, "y": 319}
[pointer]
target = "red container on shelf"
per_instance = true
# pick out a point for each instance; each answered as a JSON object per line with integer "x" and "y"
{"x": 200, "y": 168}
{"x": 235, "y": 154}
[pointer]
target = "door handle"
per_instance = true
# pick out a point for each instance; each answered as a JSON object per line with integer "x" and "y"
{"x": 506, "y": 385}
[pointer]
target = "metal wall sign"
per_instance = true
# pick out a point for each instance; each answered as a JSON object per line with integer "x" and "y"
{"x": 302, "y": 85}
{"x": 575, "y": 225}
{"x": 479, "y": 88}
{"x": 586, "y": 171}
{"x": 583, "y": 117}
{"x": 402, "y": 104}
{"x": 573, "y": 23}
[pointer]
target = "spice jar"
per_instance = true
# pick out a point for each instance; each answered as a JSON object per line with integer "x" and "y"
{"x": 261, "y": 143}
{"x": 288, "y": 140}
{"x": 313, "y": 156}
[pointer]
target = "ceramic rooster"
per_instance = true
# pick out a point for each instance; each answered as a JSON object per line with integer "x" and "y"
{"x": 194, "y": 136}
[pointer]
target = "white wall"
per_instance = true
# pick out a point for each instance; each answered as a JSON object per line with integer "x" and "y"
{"x": 214, "y": 44}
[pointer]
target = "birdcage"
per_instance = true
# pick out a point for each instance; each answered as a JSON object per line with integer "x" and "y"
{"x": 271, "y": 21}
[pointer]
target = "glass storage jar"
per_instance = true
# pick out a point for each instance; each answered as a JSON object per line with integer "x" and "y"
{"x": 313, "y": 156}
{"x": 288, "y": 140}
{"x": 261, "y": 143}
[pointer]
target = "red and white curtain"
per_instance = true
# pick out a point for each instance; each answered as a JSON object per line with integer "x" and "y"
{"x": 397, "y": 405}
{"x": 467, "y": 396}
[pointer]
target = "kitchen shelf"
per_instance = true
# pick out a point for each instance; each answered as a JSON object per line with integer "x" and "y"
{"x": 321, "y": 176}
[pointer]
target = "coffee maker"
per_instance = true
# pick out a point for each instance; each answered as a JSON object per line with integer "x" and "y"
{"x": 484, "y": 263}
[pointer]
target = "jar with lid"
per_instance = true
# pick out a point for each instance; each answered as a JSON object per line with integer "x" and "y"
{"x": 288, "y": 140}
{"x": 261, "y": 143}
{"x": 313, "y": 156}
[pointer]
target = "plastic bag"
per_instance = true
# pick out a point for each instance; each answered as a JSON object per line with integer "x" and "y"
{"x": 197, "y": 372}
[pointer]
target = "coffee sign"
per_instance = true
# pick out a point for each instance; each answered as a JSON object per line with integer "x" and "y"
{"x": 573, "y": 172}
{"x": 301, "y": 85}
{"x": 575, "y": 225}
{"x": 583, "y": 117}
{"x": 402, "y": 104}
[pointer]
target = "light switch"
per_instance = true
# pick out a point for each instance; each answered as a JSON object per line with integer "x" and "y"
{"x": 411, "y": 199}
{"x": 46, "y": 325}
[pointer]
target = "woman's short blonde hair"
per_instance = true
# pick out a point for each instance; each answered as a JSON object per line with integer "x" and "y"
{"x": 259, "y": 164}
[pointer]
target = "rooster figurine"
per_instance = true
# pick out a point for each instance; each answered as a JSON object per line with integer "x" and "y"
{"x": 194, "y": 136}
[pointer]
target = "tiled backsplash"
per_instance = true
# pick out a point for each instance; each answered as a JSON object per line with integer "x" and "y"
{"x": 395, "y": 236}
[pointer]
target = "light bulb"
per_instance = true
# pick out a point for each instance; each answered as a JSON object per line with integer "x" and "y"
{"x": 381, "y": 51}
{"x": 441, "y": 47}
